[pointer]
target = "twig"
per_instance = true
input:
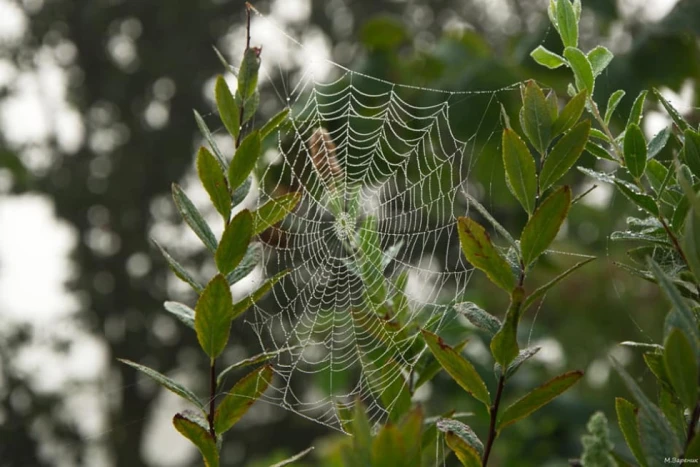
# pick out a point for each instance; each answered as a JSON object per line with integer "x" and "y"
{"x": 212, "y": 397}
{"x": 492, "y": 424}
{"x": 691, "y": 426}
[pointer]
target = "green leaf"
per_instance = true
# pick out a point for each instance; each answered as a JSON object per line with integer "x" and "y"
{"x": 540, "y": 291}
{"x": 478, "y": 317}
{"x": 291, "y": 460}
{"x": 166, "y": 382}
{"x": 599, "y": 151}
{"x": 463, "y": 431}
{"x": 564, "y": 155}
{"x": 678, "y": 120}
{"x": 504, "y": 345}
{"x": 244, "y": 160}
{"x": 655, "y": 362}
{"x": 457, "y": 367}
{"x": 600, "y": 57}
{"x": 537, "y": 398}
{"x": 199, "y": 436}
{"x": 182, "y": 312}
{"x": 254, "y": 360}
{"x": 194, "y": 219}
{"x": 370, "y": 261}
{"x": 204, "y": 129}
{"x": 568, "y": 26}
{"x": 691, "y": 241}
{"x": 613, "y": 102}
{"x": 212, "y": 317}
{"x": 434, "y": 367}
{"x": 543, "y": 226}
{"x": 570, "y": 114}
{"x": 214, "y": 181}
{"x": 643, "y": 201}
{"x": 179, "y": 270}
{"x": 682, "y": 367}
{"x": 691, "y": 151}
{"x": 395, "y": 394}
{"x": 547, "y": 58}
{"x": 654, "y": 417}
{"x": 240, "y": 193}
{"x": 239, "y": 399}
{"x": 627, "y": 420}
{"x": 273, "y": 211}
{"x": 411, "y": 427}
{"x": 234, "y": 242}
{"x": 523, "y": 356}
{"x": 487, "y": 215}
{"x": 480, "y": 252}
{"x": 693, "y": 451}
{"x": 250, "y": 106}
{"x": 274, "y": 122}
{"x": 242, "y": 305}
{"x": 229, "y": 112}
{"x": 686, "y": 317}
{"x": 658, "y": 142}
{"x": 636, "y": 113}
{"x": 248, "y": 72}
{"x": 388, "y": 447}
{"x": 583, "y": 72}
{"x": 536, "y": 116}
{"x": 250, "y": 260}
{"x": 552, "y": 105}
{"x": 520, "y": 169}
{"x": 635, "y": 150}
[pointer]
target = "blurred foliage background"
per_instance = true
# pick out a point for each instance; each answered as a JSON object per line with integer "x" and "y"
{"x": 96, "y": 102}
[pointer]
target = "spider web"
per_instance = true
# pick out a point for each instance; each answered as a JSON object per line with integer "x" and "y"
{"x": 372, "y": 248}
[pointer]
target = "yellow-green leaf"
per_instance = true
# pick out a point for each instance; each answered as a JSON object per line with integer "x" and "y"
{"x": 239, "y": 399}
{"x": 547, "y": 58}
{"x": 613, "y": 102}
{"x": 199, "y": 436}
{"x": 583, "y": 72}
{"x": 248, "y": 72}
{"x": 212, "y": 317}
{"x": 457, "y": 367}
{"x": 388, "y": 447}
{"x": 273, "y": 211}
{"x": 466, "y": 454}
{"x": 244, "y": 160}
{"x": 228, "y": 110}
{"x": 521, "y": 173}
{"x": 627, "y": 420}
{"x": 564, "y": 155}
{"x": 504, "y": 345}
{"x": 567, "y": 23}
{"x": 681, "y": 367}
{"x": 543, "y": 226}
{"x": 600, "y": 57}
{"x": 234, "y": 242}
{"x": 480, "y": 252}
{"x": 463, "y": 431}
{"x": 537, "y": 398}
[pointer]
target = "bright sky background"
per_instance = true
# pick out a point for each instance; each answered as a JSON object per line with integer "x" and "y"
{"x": 35, "y": 245}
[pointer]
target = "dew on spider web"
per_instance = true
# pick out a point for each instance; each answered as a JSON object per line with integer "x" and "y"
{"x": 372, "y": 247}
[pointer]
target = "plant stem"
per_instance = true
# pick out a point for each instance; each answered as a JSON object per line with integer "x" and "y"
{"x": 691, "y": 426}
{"x": 247, "y": 46}
{"x": 212, "y": 397}
{"x": 606, "y": 130}
{"x": 492, "y": 424}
